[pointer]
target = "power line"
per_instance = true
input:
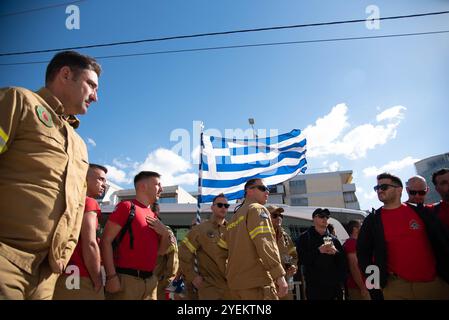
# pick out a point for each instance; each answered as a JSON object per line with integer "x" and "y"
{"x": 39, "y": 9}
{"x": 222, "y": 33}
{"x": 246, "y": 46}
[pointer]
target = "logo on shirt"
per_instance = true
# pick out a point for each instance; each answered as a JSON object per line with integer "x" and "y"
{"x": 44, "y": 116}
{"x": 414, "y": 225}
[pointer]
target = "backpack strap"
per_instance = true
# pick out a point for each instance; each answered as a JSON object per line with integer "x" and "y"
{"x": 126, "y": 228}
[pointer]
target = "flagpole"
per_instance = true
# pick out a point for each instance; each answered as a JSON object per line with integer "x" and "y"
{"x": 200, "y": 177}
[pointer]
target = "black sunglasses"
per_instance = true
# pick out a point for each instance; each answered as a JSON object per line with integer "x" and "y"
{"x": 221, "y": 205}
{"x": 276, "y": 215}
{"x": 420, "y": 192}
{"x": 261, "y": 188}
{"x": 322, "y": 216}
{"x": 384, "y": 187}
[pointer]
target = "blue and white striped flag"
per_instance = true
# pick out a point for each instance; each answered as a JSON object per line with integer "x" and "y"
{"x": 226, "y": 164}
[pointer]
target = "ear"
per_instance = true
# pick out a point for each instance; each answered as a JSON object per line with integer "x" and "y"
{"x": 65, "y": 73}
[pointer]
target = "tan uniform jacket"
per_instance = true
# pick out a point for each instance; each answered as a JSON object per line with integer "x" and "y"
{"x": 43, "y": 166}
{"x": 287, "y": 249}
{"x": 166, "y": 268}
{"x": 201, "y": 241}
{"x": 253, "y": 255}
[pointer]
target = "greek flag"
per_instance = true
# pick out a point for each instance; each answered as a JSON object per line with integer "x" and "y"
{"x": 226, "y": 164}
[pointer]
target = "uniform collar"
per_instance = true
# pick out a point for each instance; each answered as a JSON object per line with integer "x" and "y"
{"x": 57, "y": 106}
{"x": 214, "y": 221}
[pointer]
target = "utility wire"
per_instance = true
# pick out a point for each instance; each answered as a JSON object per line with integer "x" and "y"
{"x": 222, "y": 33}
{"x": 39, "y": 9}
{"x": 247, "y": 46}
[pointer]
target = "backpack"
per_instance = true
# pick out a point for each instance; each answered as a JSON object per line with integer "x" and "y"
{"x": 126, "y": 228}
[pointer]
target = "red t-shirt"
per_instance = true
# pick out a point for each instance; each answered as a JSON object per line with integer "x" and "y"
{"x": 350, "y": 247}
{"x": 146, "y": 241}
{"x": 77, "y": 257}
{"x": 409, "y": 253}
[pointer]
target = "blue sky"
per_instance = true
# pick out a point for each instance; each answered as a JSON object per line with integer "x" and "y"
{"x": 366, "y": 105}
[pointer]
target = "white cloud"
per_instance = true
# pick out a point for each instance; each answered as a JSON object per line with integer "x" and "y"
{"x": 196, "y": 155}
{"x": 326, "y": 136}
{"x": 393, "y": 113}
{"x": 91, "y": 142}
{"x": 119, "y": 164}
{"x": 173, "y": 168}
{"x": 392, "y": 166}
{"x": 116, "y": 175}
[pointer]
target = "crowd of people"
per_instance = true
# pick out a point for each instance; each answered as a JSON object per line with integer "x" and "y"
{"x": 49, "y": 220}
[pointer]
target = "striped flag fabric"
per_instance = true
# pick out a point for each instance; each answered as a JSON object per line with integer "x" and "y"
{"x": 226, "y": 164}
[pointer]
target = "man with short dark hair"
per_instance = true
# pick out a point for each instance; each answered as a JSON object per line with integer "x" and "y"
{"x": 254, "y": 270}
{"x": 323, "y": 259}
{"x": 440, "y": 180}
{"x": 407, "y": 244}
{"x": 417, "y": 190}
{"x": 201, "y": 243}
{"x": 43, "y": 166}
{"x": 86, "y": 258}
{"x": 129, "y": 266}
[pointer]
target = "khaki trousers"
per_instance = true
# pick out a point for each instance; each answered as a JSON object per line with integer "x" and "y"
{"x": 16, "y": 284}
{"x": 85, "y": 292}
{"x": 400, "y": 289}
{"x": 209, "y": 292}
{"x": 134, "y": 288}
{"x": 261, "y": 293}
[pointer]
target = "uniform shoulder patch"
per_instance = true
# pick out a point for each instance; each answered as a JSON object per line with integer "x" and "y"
{"x": 44, "y": 116}
{"x": 263, "y": 214}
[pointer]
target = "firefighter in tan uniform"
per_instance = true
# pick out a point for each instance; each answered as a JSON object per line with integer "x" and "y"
{"x": 202, "y": 242}
{"x": 166, "y": 267}
{"x": 254, "y": 269}
{"x": 287, "y": 248}
{"x": 43, "y": 165}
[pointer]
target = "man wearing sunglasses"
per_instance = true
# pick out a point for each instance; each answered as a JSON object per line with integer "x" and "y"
{"x": 254, "y": 270}
{"x": 287, "y": 248}
{"x": 408, "y": 245}
{"x": 323, "y": 259}
{"x": 417, "y": 190}
{"x": 201, "y": 243}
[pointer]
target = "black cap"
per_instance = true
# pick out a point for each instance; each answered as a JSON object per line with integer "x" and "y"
{"x": 321, "y": 212}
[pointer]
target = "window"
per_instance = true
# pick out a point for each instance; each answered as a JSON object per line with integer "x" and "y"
{"x": 300, "y": 202}
{"x": 298, "y": 187}
{"x": 167, "y": 200}
{"x": 349, "y": 197}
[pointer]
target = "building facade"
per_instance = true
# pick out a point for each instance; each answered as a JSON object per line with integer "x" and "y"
{"x": 426, "y": 167}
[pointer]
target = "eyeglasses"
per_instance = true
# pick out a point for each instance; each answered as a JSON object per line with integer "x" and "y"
{"x": 221, "y": 205}
{"x": 276, "y": 215}
{"x": 261, "y": 188}
{"x": 384, "y": 187}
{"x": 420, "y": 192}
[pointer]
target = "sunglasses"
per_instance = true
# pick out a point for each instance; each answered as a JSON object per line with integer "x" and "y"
{"x": 322, "y": 216}
{"x": 415, "y": 192}
{"x": 276, "y": 215}
{"x": 221, "y": 205}
{"x": 261, "y": 188}
{"x": 384, "y": 187}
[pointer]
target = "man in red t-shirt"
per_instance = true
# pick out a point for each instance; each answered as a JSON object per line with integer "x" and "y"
{"x": 440, "y": 180}
{"x": 129, "y": 267}
{"x": 85, "y": 262}
{"x": 355, "y": 282}
{"x": 410, "y": 261}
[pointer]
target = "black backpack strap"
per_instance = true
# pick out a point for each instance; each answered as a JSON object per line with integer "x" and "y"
{"x": 126, "y": 228}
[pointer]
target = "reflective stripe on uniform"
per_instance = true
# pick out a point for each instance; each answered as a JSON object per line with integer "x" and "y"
{"x": 3, "y": 140}
{"x": 235, "y": 223}
{"x": 260, "y": 230}
{"x": 189, "y": 245}
{"x": 171, "y": 249}
{"x": 222, "y": 244}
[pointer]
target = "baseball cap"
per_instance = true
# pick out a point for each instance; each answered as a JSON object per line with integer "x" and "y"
{"x": 321, "y": 212}
{"x": 274, "y": 209}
